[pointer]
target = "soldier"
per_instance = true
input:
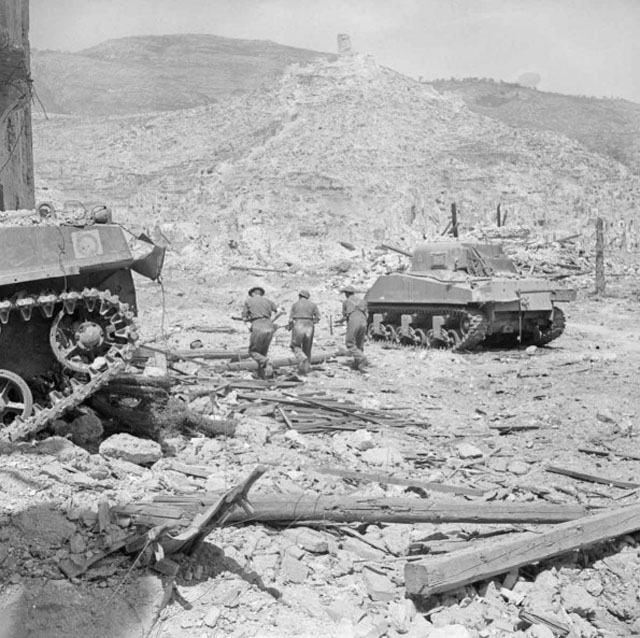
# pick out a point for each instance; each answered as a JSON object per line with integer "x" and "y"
{"x": 258, "y": 309}
{"x": 302, "y": 319}
{"x": 354, "y": 313}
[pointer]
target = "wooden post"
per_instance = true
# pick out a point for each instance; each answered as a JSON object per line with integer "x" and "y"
{"x": 600, "y": 281}
{"x": 498, "y": 220}
{"x": 16, "y": 152}
{"x": 454, "y": 220}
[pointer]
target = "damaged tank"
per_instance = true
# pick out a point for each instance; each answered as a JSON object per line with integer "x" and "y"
{"x": 459, "y": 295}
{"x": 67, "y": 311}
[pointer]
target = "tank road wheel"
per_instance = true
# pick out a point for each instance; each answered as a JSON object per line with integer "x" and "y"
{"x": 442, "y": 339}
{"x": 392, "y": 333}
{"x": 472, "y": 330}
{"x": 373, "y": 334}
{"x": 77, "y": 339}
{"x": 15, "y": 398}
{"x": 553, "y": 331}
{"x": 421, "y": 337}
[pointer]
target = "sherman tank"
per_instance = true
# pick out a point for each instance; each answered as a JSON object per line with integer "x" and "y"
{"x": 460, "y": 295}
{"x": 67, "y": 311}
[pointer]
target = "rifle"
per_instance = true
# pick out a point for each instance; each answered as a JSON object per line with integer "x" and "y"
{"x": 276, "y": 326}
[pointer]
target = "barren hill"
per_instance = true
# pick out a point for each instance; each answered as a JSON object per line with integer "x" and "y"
{"x": 157, "y": 73}
{"x": 342, "y": 150}
{"x": 607, "y": 126}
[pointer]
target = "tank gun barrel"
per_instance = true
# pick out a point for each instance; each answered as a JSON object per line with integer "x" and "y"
{"x": 395, "y": 249}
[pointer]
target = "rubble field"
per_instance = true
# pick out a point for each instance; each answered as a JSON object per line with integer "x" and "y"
{"x": 471, "y": 450}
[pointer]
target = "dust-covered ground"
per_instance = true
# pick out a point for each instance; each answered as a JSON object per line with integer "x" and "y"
{"x": 340, "y": 580}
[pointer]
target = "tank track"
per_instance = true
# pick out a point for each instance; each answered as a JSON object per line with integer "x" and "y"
{"x": 81, "y": 385}
{"x": 476, "y": 329}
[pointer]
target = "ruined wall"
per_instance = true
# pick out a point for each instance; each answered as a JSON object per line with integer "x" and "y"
{"x": 16, "y": 154}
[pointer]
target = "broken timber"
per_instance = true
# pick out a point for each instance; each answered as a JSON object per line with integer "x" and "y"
{"x": 429, "y": 577}
{"x": 287, "y": 510}
{"x": 215, "y": 515}
{"x": 592, "y": 478}
{"x": 392, "y": 480}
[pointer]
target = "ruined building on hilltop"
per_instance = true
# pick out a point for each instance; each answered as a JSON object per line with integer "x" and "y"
{"x": 16, "y": 152}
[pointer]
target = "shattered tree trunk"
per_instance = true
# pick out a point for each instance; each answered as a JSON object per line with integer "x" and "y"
{"x": 438, "y": 575}
{"x": 400, "y": 510}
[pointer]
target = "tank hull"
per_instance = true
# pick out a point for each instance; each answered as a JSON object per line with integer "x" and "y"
{"x": 448, "y": 303}
{"x": 67, "y": 310}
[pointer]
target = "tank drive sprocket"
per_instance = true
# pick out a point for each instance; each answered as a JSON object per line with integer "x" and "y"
{"x": 92, "y": 336}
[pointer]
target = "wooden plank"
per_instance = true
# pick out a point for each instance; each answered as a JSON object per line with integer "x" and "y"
{"x": 610, "y": 451}
{"x": 191, "y": 470}
{"x": 438, "y": 575}
{"x": 591, "y": 478}
{"x": 285, "y": 418}
{"x": 514, "y": 427}
{"x": 392, "y": 480}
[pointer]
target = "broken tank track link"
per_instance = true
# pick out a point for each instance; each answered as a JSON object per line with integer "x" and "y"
{"x": 467, "y": 330}
{"x": 23, "y": 428}
{"x": 100, "y": 356}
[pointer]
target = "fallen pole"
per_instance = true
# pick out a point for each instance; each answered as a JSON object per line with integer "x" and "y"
{"x": 277, "y": 363}
{"x": 435, "y": 576}
{"x": 400, "y": 510}
{"x": 260, "y": 269}
{"x": 205, "y": 353}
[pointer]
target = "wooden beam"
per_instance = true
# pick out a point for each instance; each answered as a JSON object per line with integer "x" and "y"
{"x": 591, "y": 478}
{"x": 435, "y": 576}
{"x": 278, "y": 363}
{"x": 392, "y": 480}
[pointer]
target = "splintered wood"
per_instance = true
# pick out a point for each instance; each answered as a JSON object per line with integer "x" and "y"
{"x": 437, "y": 575}
{"x": 313, "y": 414}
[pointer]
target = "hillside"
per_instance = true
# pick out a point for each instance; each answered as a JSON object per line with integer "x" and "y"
{"x": 343, "y": 150}
{"x": 610, "y": 127}
{"x": 156, "y": 73}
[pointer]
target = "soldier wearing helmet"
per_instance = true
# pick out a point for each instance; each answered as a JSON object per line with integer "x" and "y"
{"x": 302, "y": 319}
{"x": 257, "y": 310}
{"x": 354, "y": 313}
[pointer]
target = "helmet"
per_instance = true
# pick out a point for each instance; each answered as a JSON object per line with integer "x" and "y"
{"x": 350, "y": 289}
{"x": 252, "y": 290}
{"x": 304, "y": 293}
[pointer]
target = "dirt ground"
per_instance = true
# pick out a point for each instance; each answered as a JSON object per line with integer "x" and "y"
{"x": 580, "y": 391}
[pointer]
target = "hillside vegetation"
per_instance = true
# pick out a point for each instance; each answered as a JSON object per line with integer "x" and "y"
{"x": 342, "y": 150}
{"x": 610, "y": 127}
{"x": 156, "y": 73}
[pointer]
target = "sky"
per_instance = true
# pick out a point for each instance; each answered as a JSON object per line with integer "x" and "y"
{"x": 583, "y": 47}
